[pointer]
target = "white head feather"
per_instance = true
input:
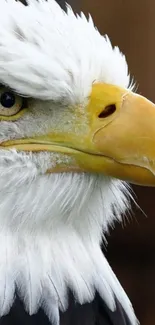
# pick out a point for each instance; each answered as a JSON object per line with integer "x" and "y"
{"x": 49, "y": 54}
{"x": 51, "y": 226}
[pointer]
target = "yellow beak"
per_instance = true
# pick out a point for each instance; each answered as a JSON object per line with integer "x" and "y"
{"x": 118, "y": 138}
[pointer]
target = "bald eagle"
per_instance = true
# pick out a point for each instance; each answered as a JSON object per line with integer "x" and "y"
{"x": 72, "y": 133}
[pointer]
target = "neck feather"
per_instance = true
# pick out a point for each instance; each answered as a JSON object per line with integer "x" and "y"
{"x": 51, "y": 228}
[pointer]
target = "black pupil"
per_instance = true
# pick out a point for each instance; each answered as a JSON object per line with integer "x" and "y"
{"x": 7, "y": 99}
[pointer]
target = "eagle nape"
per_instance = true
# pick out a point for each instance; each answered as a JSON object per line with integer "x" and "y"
{"x": 72, "y": 135}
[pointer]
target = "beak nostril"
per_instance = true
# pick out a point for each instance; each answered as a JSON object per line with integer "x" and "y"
{"x": 108, "y": 110}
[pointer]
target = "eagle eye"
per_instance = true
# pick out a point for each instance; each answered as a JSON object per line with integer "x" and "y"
{"x": 10, "y": 103}
{"x": 7, "y": 99}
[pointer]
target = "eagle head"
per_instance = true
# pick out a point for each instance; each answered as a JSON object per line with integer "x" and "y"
{"x": 72, "y": 130}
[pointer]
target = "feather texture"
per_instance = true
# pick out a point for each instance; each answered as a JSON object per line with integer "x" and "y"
{"x": 95, "y": 313}
{"x": 43, "y": 36}
{"x": 55, "y": 235}
{"x": 7, "y": 274}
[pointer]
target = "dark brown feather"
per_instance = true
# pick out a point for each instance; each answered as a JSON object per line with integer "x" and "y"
{"x": 95, "y": 313}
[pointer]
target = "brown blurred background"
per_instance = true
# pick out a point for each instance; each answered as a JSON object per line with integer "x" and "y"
{"x": 131, "y": 251}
